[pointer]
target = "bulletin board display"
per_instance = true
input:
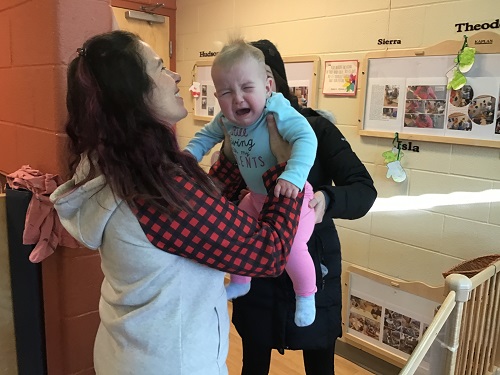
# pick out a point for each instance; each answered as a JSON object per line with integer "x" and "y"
{"x": 406, "y": 92}
{"x": 387, "y": 317}
{"x": 302, "y": 73}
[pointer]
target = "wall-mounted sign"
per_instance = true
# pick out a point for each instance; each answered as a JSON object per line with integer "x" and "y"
{"x": 341, "y": 77}
{"x": 467, "y": 27}
{"x": 408, "y": 146}
{"x": 483, "y": 41}
{"x": 388, "y": 41}
{"x": 208, "y": 54}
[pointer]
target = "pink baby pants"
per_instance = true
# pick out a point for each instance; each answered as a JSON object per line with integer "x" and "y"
{"x": 299, "y": 266}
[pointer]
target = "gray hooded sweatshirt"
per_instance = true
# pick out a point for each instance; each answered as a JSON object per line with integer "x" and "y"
{"x": 161, "y": 314}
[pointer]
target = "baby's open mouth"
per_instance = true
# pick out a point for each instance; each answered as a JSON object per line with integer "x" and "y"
{"x": 242, "y": 112}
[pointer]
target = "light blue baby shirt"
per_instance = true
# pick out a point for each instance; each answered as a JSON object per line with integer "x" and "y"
{"x": 251, "y": 148}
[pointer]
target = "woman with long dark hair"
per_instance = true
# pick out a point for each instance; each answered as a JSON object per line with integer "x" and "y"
{"x": 343, "y": 189}
{"x": 166, "y": 231}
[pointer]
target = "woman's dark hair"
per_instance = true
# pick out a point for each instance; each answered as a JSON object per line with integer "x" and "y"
{"x": 282, "y": 87}
{"x": 274, "y": 60}
{"x": 110, "y": 122}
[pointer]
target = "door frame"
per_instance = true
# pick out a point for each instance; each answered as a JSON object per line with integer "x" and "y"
{"x": 168, "y": 10}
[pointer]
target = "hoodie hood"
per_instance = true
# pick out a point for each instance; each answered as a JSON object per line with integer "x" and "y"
{"x": 309, "y": 112}
{"x": 326, "y": 114}
{"x": 85, "y": 210}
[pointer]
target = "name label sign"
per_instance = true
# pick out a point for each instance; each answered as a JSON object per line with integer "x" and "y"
{"x": 466, "y": 26}
{"x": 208, "y": 54}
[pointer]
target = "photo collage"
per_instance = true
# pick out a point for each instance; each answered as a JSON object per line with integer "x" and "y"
{"x": 391, "y": 101}
{"x": 425, "y": 106}
{"x": 205, "y": 106}
{"x": 392, "y": 328}
{"x": 400, "y": 331}
{"x": 365, "y": 317}
{"x": 467, "y": 111}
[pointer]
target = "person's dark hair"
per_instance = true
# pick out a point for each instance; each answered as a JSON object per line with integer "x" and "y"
{"x": 274, "y": 60}
{"x": 109, "y": 121}
{"x": 282, "y": 87}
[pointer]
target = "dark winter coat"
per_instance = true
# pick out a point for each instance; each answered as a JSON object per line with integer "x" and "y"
{"x": 265, "y": 315}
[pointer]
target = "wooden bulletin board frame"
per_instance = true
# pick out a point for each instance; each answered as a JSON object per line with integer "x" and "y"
{"x": 438, "y": 59}
{"x": 371, "y": 293}
{"x": 302, "y": 73}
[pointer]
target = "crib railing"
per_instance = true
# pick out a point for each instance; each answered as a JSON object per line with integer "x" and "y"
{"x": 464, "y": 336}
{"x": 479, "y": 342}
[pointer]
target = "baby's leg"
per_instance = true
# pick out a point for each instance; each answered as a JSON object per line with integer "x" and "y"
{"x": 300, "y": 266}
{"x": 240, "y": 285}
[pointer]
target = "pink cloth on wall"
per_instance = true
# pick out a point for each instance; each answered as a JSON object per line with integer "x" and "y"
{"x": 42, "y": 227}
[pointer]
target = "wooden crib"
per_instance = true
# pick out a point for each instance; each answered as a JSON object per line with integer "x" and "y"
{"x": 465, "y": 332}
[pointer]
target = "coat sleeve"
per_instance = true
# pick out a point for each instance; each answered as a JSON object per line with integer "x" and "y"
{"x": 227, "y": 177}
{"x": 216, "y": 233}
{"x": 353, "y": 193}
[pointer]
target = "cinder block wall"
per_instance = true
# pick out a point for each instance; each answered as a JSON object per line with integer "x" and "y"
{"x": 413, "y": 244}
{"x": 37, "y": 39}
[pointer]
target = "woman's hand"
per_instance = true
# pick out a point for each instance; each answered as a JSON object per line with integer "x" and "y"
{"x": 242, "y": 194}
{"x": 318, "y": 203}
{"x": 280, "y": 148}
{"x": 226, "y": 145}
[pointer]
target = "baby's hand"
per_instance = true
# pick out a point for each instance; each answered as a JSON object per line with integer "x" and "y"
{"x": 283, "y": 187}
{"x": 242, "y": 194}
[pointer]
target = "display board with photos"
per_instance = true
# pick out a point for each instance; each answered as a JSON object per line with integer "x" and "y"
{"x": 406, "y": 92}
{"x": 387, "y": 317}
{"x": 302, "y": 73}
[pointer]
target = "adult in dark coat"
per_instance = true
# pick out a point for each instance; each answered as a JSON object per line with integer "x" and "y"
{"x": 264, "y": 317}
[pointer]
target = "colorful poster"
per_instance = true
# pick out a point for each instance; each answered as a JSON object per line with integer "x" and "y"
{"x": 341, "y": 77}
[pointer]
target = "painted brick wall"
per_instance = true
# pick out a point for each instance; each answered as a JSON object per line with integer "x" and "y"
{"x": 37, "y": 39}
{"x": 28, "y": 98}
{"x": 412, "y": 244}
